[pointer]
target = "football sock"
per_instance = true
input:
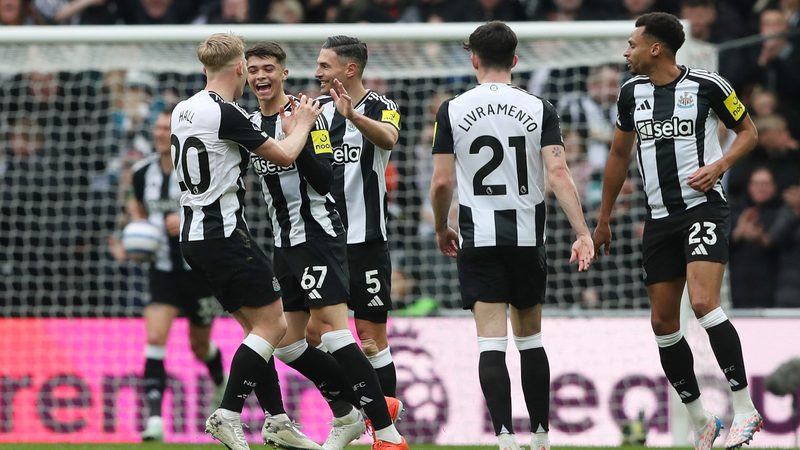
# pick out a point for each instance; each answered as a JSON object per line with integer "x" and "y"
{"x": 495, "y": 383}
{"x": 727, "y": 347}
{"x": 697, "y": 414}
{"x": 214, "y": 363}
{"x": 268, "y": 390}
{"x": 247, "y": 368}
{"x": 321, "y": 369}
{"x": 384, "y": 366}
{"x": 361, "y": 376}
{"x": 155, "y": 377}
{"x": 678, "y": 364}
{"x": 535, "y": 380}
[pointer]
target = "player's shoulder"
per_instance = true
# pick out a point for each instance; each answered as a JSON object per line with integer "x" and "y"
{"x": 383, "y": 101}
{"x": 633, "y": 81}
{"x": 709, "y": 79}
{"x": 325, "y": 100}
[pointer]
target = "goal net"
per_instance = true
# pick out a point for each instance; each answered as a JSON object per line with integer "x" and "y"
{"x": 77, "y": 107}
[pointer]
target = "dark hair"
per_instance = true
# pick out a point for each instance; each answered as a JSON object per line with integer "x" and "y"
{"x": 664, "y": 27}
{"x": 494, "y": 43}
{"x": 350, "y": 48}
{"x": 267, "y": 50}
{"x": 167, "y": 109}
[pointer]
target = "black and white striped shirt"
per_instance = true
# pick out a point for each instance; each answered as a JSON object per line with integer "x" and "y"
{"x": 160, "y": 194}
{"x": 497, "y": 132}
{"x": 296, "y": 210}
{"x": 210, "y": 143}
{"x": 359, "y": 168}
{"x": 676, "y": 129}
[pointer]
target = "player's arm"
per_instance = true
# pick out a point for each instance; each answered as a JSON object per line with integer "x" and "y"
{"x": 237, "y": 127}
{"x": 616, "y": 170}
{"x": 314, "y": 162}
{"x": 383, "y": 131}
{"x": 443, "y": 181}
{"x": 560, "y": 181}
{"x": 734, "y": 115}
{"x": 134, "y": 202}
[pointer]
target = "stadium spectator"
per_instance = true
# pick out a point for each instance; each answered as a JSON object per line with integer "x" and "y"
{"x": 709, "y": 21}
{"x": 754, "y": 262}
{"x": 156, "y": 12}
{"x": 285, "y": 11}
{"x": 764, "y": 102}
{"x": 19, "y": 12}
{"x": 486, "y": 10}
{"x": 776, "y": 150}
{"x": 786, "y": 236}
{"x": 231, "y": 12}
{"x": 74, "y": 12}
{"x": 567, "y": 11}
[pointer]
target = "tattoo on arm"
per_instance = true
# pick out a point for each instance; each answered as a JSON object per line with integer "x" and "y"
{"x": 556, "y": 151}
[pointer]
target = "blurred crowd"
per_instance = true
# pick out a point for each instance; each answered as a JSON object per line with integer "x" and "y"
{"x": 69, "y": 142}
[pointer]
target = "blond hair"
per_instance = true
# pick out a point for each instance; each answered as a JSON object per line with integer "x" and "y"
{"x": 219, "y": 50}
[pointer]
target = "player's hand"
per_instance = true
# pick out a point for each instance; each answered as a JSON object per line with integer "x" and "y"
{"x": 287, "y": 119}
{"x": 582, "y": 252}
{"x": 343, "y": 101}
{"x": 602, "y": 237}
{"x": 116, "y": 249}
{"x": 305, "y": 112}
{"x": 447, "y": 240}
{"x": 173, "y": 224}
{"x": 705, "y": 177}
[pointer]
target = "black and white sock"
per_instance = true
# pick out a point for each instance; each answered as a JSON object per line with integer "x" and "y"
{"x": 535, "y": 380}
{"x": 727, "y": 349}
{"x": 321, "y": 369}
{"x": 213, "y": 362}
{"x": 384, "y": 367}
{"x": 364, "y": 381}
{"x": 155, "y": 377}
{"x": 678, "y": 364}
{"x": 495, "y": 383}
{"x": 247, "y": 368}
{"x": 268, "y": 390}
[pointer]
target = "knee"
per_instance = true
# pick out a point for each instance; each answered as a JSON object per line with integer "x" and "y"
{"x": 704, "y": 304}
{"x": 199, "y": 348}
{"x": 372, "y": 333}
{"x": 663, "y": 326}
{"x": 313, "y": 336}
{"x": 156, "y": 338}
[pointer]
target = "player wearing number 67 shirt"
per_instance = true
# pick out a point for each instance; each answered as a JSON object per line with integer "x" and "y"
{"x": 671, "y": 112}
{"x": 211, "y": 141}
{"x": 498, "y": 142}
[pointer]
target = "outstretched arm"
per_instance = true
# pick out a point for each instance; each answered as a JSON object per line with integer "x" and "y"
{"x": 560, "y": 180}
{"x": 382, "y": 134}
{"x": 619, "y": 159}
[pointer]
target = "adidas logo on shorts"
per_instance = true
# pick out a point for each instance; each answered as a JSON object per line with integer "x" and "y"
{"x": 376, "y": 301}
{"x": 699, "y": 250}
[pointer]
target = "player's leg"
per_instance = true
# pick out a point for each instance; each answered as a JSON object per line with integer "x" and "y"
{"x": 705, "y": 280}
{"x": 201, "y": 308}
{"x": 362, "y": 377}
{"x": 527, "y": 327}
{"x": 158, "y": 318}
{"x": 370, "y": 299}
{"x": 485, "y": 290}
{"x": 527, "y": 267}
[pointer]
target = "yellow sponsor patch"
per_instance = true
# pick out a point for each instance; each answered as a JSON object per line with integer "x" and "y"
{"x": 393, "y": 117}
{"x": 735, "y": 107}
{"x": 322, "y": 142}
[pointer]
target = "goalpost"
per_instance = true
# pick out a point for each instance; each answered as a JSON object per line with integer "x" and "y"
{"x": 77, "y": 104}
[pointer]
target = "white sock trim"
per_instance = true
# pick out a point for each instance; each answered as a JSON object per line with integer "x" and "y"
{"x": 337, "y": 339}
{"x": 713, "y": 318}
{"x": 669, "y": 340}
{"x": 259, "y": 345}
{"x": 155, "y": 351}
{"x": 528, "y": 342}
{"x": 322, "y": 347}
{"x": 212, "y": 351}
{"x": 291, "y": 352}
{"x": 492, "y": 344}
{"x": 381, "y": 359}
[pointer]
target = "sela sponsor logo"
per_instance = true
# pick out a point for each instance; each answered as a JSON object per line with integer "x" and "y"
{"x": 263, "y": 167}
{"x": 665, "y": 129}
{"x": 346, "y": 154}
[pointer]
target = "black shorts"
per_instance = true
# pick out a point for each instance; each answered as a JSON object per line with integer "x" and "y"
{"x": 513, "y": 275}
{"x": 698, "y": 234}
{"x": 186, "y": 291}
{"x": 236, "y": 269}
{"x": 313, "y": 273}
{"x": 370, "y": 280}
